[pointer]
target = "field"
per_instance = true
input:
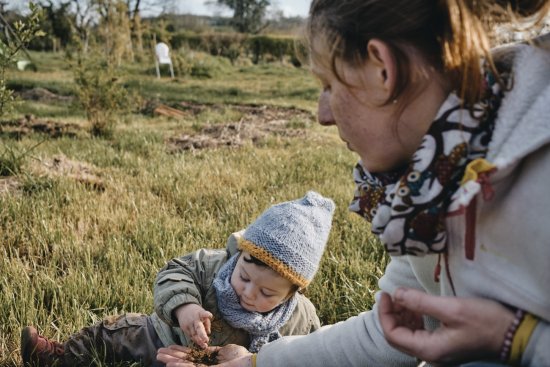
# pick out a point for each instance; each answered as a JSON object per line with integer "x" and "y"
{"x": 86, "y": 222}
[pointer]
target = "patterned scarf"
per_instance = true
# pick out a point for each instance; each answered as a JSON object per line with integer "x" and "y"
{"x": 407, "y": 208}
{"x": 262, "y": 327}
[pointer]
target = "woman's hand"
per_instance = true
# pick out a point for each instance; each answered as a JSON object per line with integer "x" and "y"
{"x": 470, "y": 328}
{"x": 230, "y": 352}
{"x": 195, "y": 322}
{"x": 230, "y": 355}
{"x": 174, "y": 356}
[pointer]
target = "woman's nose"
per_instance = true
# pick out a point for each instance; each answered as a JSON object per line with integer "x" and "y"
{"x": 324, "y": 113}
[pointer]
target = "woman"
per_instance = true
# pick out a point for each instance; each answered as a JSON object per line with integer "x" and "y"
{"x": 454, "y": 162}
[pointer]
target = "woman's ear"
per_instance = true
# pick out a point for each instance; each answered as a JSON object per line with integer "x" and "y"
{"x": 384, "y": 62}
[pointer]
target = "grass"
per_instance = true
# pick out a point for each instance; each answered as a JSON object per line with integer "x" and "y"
{"x": 71, "y": 254}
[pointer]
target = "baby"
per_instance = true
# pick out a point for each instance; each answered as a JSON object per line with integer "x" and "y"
{"x": 247, "y": 294}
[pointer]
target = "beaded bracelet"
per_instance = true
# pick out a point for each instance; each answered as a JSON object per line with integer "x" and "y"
{"x": 506, "y": 346}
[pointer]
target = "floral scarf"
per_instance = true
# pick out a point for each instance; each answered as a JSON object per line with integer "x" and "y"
{"x": 262, "y": 327}
{"x": 407, "y": 208}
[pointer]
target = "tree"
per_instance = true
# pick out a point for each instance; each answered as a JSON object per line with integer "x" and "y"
{"x": 135, "y": 25}
{"x": 84, "y": 16}
{"x": 114, "y": 30}
{"x": 24, "y": 31}
{"x": 57, "y": 23}
{"x": 248, "y": 15}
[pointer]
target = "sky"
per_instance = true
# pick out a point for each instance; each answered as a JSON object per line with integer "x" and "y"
{"x": 290, "y": 8}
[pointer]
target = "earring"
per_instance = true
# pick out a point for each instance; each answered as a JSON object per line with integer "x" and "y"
{"x": 394, "y": 101}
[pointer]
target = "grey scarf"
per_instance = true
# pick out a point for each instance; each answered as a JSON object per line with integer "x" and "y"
{"x": 262, "y": 327}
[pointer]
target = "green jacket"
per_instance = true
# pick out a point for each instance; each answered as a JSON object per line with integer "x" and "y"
{"x": 189, "y": 279}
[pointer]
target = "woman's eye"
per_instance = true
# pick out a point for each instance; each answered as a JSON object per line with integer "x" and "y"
{"x": 266, "y": 294}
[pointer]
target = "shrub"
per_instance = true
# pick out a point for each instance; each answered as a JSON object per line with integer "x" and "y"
{"x": 234, "y": 45}
{"x": 198, "y": 64}
{"x": 99, "y": 91}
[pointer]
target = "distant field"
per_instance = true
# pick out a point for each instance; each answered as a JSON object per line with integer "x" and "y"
{"x": 88, "y": 221}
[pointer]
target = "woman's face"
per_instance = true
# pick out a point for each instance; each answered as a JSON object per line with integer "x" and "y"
{"x": 259, "y": 288}
{"x": 383, "y": 135}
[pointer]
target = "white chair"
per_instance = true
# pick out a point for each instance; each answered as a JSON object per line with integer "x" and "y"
{"x": 22, "y": 64}
{"x": 162, "y": 57}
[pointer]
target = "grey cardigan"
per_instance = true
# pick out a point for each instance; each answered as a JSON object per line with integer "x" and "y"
{"x": 510, "y": 256}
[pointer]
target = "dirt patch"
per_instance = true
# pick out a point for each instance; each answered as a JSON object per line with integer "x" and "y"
{"x": 43, "y": 95}
{"x": 257, "y": 123}
{"x": 60, "y": 165}
{"x": 16, "y": 129}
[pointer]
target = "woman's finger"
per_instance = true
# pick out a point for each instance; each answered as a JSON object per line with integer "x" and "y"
{"x": 173, "y": 352}
{"x": 166, "y": 358}
{"x": 180, "y": 348}
{"x": 442, "y": 308}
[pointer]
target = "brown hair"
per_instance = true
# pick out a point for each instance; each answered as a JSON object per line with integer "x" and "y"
{"x": 452, "y": 35}
{"x": 254, "y": 260}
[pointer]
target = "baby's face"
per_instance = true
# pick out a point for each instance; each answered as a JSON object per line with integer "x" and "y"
{"x": 259, "y": 288}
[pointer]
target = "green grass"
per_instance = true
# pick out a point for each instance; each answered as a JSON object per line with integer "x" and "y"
{"x": 71, "y": 254}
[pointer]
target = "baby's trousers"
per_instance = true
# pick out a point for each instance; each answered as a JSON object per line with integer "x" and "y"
{"x": 125, "y": 338}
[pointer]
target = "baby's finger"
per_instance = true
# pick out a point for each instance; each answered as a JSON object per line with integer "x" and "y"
{"x": 206, "y": 318}
{"x": 200, "y": 338}
{"x": 189, "y": 331}
{"x": 200, "y": 343}
{"x": 200, "y": 330}
{"x": 207, "y": 326}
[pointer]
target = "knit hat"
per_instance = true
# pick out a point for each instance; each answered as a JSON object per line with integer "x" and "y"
{"x": 290, "y": 237}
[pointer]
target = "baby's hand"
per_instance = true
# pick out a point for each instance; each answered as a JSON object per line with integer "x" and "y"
{"x": 195, "y": 323}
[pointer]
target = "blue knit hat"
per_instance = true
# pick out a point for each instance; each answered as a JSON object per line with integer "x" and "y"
{"x": 290, "y": 237}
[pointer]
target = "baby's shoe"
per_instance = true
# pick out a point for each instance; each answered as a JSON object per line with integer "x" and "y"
{"x": 38, "y": 351}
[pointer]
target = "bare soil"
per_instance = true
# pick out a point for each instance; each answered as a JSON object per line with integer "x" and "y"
{"x": 17, "y": 129}
{"x": 257, "y": 123}
{"x": 43, "y": 95}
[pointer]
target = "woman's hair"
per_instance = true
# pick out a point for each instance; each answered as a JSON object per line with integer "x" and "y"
{"x": 452, "y": 35}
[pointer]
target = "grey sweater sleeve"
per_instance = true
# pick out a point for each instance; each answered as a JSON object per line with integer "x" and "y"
{"x": 358, "y": 341}
{"x": 537, "y": 352}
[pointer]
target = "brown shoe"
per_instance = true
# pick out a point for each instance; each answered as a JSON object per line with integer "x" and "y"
{"x": 38, "y": 351}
